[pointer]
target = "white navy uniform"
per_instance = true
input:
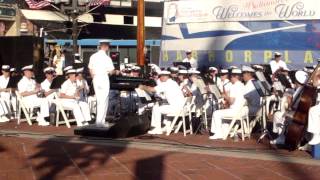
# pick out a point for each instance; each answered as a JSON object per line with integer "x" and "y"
{"x": 101, "y": 65}
{"x": 80, "y": 109}
{"x": 277, "y": 65}
{"x": 45, "y": 85}
{"x": 173, "y": 94}
{"x": 236, "y": 92}
{"x": 29, "y": 85}
{"x": 5, "y": 100}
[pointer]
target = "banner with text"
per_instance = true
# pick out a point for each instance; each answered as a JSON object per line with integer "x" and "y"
{"x": 240, "y": 10}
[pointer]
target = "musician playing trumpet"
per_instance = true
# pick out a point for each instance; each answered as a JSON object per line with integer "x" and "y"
{"x": 70, "y": 96}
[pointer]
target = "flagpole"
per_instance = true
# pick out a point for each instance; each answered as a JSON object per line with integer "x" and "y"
{"x": 140, "y": 33}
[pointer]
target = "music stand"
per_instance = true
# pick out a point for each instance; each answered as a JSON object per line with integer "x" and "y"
{"x": 13, "y": 82}
{"x": 284, "y": 81}
{"x": 184, "y": 64}
{"x": 263, "y": 93}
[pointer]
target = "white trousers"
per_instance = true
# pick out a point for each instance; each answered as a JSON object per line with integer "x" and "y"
{"x": 216, "y": 124}
{"x": 34, "y": 101}
{"x": 314, "y": 120}
{"x": 158, "y": 111}
{"x": 101, "y": 87}
{"x": 278, "y": 122}
{"x": 80, "y": 109}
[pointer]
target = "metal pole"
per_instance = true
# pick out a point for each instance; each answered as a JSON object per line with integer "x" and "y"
{"x": 140, "y": 33}
{"x": 74, "y": 25}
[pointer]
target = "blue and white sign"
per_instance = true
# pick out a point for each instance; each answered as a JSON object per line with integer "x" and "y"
{"x": 240, "y": 39}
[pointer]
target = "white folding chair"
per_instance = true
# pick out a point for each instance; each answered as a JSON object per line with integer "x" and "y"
{"x": 185, "y": 111}
{"x": 61, "y": 110}
{"x": 242, "y": 117}
{"x": 27, "y": 111}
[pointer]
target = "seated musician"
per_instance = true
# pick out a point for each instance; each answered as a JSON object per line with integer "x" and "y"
{"x": 198, "y": 88}
{"x": 235, "y": 99}
{"x": 279, "y": 116}
{"x": 225, "y": 82}
{"x": 135, "y": 71}
{"x": 250, "y": 93}
{"x": 213, "y": 76}
{"x": 172, "y": 93}
{"x": 29, "y": 90}
{"x": 183, "y": 82}
{"x": 82, "y": 85}
{"x": 49, "y": 93}
{"x": 70, "y": 96}
{"x": 174, "y": 73}
{"x": 5, "y": 94}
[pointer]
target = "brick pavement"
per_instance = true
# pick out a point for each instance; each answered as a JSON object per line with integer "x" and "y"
{"x": 36, "y": 158}
{"x": 24, "y": 158}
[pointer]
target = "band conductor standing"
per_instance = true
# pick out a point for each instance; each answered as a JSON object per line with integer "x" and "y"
{"x": 100, "y": 66}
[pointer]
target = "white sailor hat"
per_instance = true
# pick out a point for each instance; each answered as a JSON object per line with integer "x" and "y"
{"x": 193, "y": 71}
{"x": 247, "y": 69}
{"x": 105, "y": 41}
{"x": 13, "y": 70}
{"x": 48, "y": 69}
{"x": 136, "y": 68}
{"x": 301, "y": 77}
{"x": 5, "y": 67}
{"x": 277, "y": 54}
{"x": 67, "y": 68}
{"x": 233, "y": 67}
{"x": 77, "y": 61}
{"x": 188, "y": 51}
{"x": 164, "y": 73}
{"x": 79, "y": 70}
{"x": 256, "y": 66}
{"x": 174, "y": 69}
{"x": 236, "y": 71}
{"x": 213, "y": 69}
{"x": 29, "y": 67}
{"x": 224, "y": 71}
{"x": 76, "y": 54}
{"x": 183, "y": 71}
{"x": 71, "y": 71}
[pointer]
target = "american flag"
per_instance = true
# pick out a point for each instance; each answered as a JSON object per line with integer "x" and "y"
{"x": 98, "y": 2}
{"x": 38, "y": 4}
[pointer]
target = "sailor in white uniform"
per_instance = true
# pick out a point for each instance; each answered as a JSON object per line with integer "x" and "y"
{"x": 277, "y": 64}
{"x": 5, "y": 93}
{"x": 82, "y": 85}
{"x": 250, "y": 92}
{"x": 225, "y": 84}
{"x": 100, "y": 66}
{"x": 28, "y": 89}
{"x": 70, "y": 96}
{"x": 235, "y": 99}
{"x": 193, "y": 62}
{"x": 172, "y": 93}
{"x": 45, "y": 85}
